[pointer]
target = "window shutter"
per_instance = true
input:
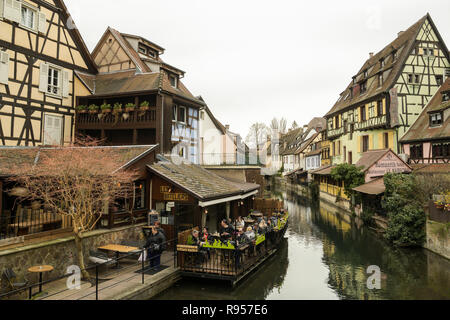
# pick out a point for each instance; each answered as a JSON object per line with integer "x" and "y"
{"x": 371, "y": 146}
{"x": 42, "y": 23}
{"x": 65, "y": 83}
{"x": 2, "y": 5}
{"x": 381, "y": 140}
{"x": 43, "y": 77}
{"x": 4, "y": 67}
{"x": 359, "y": 144}
{"x": 391, "y": 140}
{"x": 13, "y": 10}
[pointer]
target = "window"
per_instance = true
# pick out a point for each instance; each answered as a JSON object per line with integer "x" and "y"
{"x": 4, "y": 67}
{"x": 139, "y": 200}
{"x": 350, "y": 157}
{"x": 441, "y": 150}
{"x": 173, "y": 81}
{"x": 436, "y": 119}
{"x": 174, "y": 113}
{"x": 379, "y": 108}
{"x": 366, "y": 74}
{"x": 371, "y": 111}
{"x": 416, "y": 151}
{"x": 382, "y": 63}
{"x": 386, "y": 140}
{"x": 54, "y": 81}
{"x": 363, "y": 87}
{"x": 142, "y": 50}
{"x": 439, "y": 80}
{"x": 395, "y": 55}
{"x": 413, "y": 78}
{"x": 380, "y": 80}
{"x": 182, "y": 115}
{"x": 428, "y": 52}
{"x": 363, "y": 113}
{"x": 365, "y": 143}
{"x": 445, "y": 96}
{"x": 52, "y": 130}
{"x": 202, "y": 115}
{"x": 28, "y": 17}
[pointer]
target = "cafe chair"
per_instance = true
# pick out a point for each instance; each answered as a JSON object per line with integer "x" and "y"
{"x": 13, "y": 281}
{"x": 98, "y": 257}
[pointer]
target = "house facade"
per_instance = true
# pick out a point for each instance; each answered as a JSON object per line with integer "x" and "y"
{"x": 41, "y": 53}
{"x": 388, "y": 94}
{"x": 138, "y": 99}
{"x": 218, "y": 146}
{"x": 428, "y": 140}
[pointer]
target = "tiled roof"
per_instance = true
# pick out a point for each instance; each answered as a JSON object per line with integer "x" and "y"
{"x": 369, "y": 158}
{"x": 403, "y": 44}
{"x": 324, "y": 171}
{"x": 199, "y": 182}
{"x": 290, "y": 139}
{"x": 374, "y": 187}
{"x": 432, "y": 168}
{"x": 12, "y": 157}
{"x": 421, "y": 129}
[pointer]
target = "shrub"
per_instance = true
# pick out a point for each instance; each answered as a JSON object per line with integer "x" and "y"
{"x": 407, "y": 218}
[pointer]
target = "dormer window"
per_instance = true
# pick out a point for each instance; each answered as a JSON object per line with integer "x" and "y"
{"x": 382, "y": 63}
{"x": 395, "y": 55}
{"x": 436, "y": 119}
{"x": 363, "y": 87}
{"x": 173, "y": 81}
{"x": 366, "y": 74}
{"x": 445, "y": 96}
{"x": 142, "y": 49}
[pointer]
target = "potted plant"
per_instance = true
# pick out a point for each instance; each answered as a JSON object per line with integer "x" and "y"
{"x": 93, "y": 109}
{"x": 117, "y": 107}
{"x": 145, "y": 105}
{"x": 129, "y": 107}
{"x": 81, "y": 109}
{"x": 439, "y": 204}
{"x": 106, "y": 108}
{"x": 447, "y": 207}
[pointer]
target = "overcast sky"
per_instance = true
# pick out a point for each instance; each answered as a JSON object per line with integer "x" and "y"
{"x": 252, "y": 60}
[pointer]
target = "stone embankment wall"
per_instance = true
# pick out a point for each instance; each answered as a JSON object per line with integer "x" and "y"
{"x": 61, "y": 253}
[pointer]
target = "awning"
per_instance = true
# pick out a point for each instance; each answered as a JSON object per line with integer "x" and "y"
{"x": 225, "y": 200}
{"x": 375, "y": 187}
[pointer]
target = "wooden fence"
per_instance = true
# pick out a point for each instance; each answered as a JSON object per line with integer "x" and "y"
{"x": 268, "y": 206}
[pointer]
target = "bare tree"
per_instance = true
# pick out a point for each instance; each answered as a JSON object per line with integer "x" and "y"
{"x": 257, "y": 137}
{"x": 279, "y": 125}
{"x": 76, "y": 182}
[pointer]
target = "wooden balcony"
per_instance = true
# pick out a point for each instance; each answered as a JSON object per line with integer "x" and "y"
{"x": 135, "y": 120}
{"x": 371, "y": 123}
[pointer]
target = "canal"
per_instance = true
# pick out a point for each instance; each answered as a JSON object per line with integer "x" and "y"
{"x": 325, "y": 257}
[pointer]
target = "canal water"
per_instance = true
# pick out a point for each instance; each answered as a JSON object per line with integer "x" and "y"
{"x": 325, "y": 256}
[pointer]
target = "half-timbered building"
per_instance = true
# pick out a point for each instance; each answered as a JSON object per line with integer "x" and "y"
{"x": 428, "y": 140}
{"x": 41, "y": 52}
{"x": 137, "y": 98}
{"x": 388, "y": 93}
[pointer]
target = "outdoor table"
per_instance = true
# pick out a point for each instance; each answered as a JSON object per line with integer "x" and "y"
{"x": 118, "y": 249}
{"x": 257, "y": 214}
{"x": 40, "y": 270}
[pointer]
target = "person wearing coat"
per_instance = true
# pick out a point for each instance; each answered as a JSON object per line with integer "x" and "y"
{"x": 155, "y": 245}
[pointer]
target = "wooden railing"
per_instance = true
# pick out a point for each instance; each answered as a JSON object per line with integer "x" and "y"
{"x": 135, "y": 119}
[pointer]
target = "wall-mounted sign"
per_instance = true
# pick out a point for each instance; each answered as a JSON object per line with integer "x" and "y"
{"x": 390, "y": 163}
{"x": 176, "y": 197}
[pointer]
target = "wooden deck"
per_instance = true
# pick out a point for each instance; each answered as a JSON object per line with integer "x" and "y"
{"x": 117, "y": 285}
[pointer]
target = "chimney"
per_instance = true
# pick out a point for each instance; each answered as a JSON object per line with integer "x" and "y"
{"x": 400, "y": 33}
{"x": 227, "y": 126}
{"x": 371, "y": 54}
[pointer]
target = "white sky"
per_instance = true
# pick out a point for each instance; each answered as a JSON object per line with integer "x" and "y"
{"x": 252, "y": 60}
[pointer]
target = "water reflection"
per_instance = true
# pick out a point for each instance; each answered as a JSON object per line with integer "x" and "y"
{"x": 325, "y": 256}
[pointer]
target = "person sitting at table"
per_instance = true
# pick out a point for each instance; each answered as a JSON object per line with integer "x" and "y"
{"x": 240, "y": 223}
{"x": 226, "y": 231}
{"x": 155, "y": 245}
{"x": 195, "y": 240}
{"x": 262, "y": 226}
{"x": 250, "y": 234}
{"x": 206, "y": 237}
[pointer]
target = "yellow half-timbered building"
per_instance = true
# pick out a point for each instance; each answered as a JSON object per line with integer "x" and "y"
{"x": 388, "y": 93}
{"x": 41, "y": 52}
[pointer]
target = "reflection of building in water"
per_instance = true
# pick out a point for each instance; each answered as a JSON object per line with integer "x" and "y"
{"x": 335, "y": 219}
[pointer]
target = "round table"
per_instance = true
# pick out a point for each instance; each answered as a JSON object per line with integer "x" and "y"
{"x": 40, "y": 270}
